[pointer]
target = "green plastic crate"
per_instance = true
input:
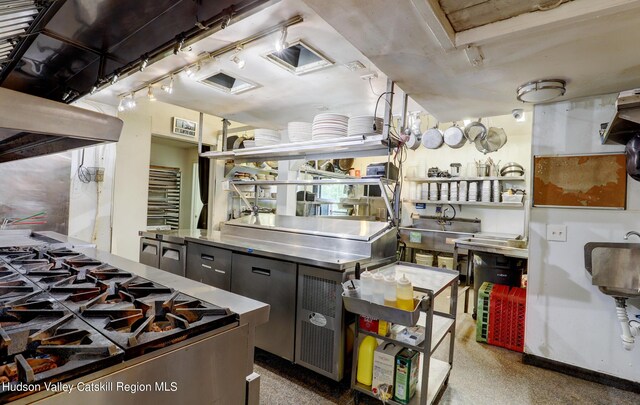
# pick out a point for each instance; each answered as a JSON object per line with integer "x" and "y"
{"x": 482, "y": 319}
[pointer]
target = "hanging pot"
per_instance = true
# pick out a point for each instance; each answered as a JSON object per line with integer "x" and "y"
{"x": 632, "y": 153}
{"x": 432, "y": 138}
{"x": 475, "y": 130}
{"x": 454, "y": 137}
{"x": 413, "y": 142}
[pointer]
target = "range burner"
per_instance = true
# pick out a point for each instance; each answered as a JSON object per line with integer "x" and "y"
{"x": 53, "y": 351}
{"x": 140, "y": 325}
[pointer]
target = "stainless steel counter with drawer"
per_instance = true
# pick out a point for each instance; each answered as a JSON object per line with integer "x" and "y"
{"x": 272, "y": 282}
{"x": 209, "y": 265}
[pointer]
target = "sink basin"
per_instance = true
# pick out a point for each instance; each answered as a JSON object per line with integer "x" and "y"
{"x": 614, "y": 267}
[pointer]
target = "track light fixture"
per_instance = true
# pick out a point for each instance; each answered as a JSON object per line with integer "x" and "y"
{"x": 130, "y": 102}
{"x": 144, "y": 63}
{"x": 179, "y": 45}
{"x": 168, "y": 88}
{"x": 150, "y": 95}
{"x": 191, "y": 70}
{"x": 226, "y": 20}
{"x": 115, "y": 77}
{"x": 66, "y": 95}
{"x": 121, "y": 105}
{"x": 94, "y": 88}
{"x": 235, "y": 58}
{"x": 281, "y": 43}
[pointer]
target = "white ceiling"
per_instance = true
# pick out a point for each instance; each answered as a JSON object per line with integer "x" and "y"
{"x": 589, "y": 43}
{"x": 282, "y": 96}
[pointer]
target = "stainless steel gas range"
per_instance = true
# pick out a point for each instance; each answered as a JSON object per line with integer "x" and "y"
{"x": 74, "y": 328}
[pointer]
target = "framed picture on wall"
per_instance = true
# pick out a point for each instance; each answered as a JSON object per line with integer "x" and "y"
{"x": 184, "y": 127}
{"x": 580, "y": 181}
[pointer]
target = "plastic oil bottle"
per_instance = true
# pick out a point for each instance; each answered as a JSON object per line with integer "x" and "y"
{"x": 389, "y": 301}
{"x": 405, "y": 294}
{"x": 365, "y": 360}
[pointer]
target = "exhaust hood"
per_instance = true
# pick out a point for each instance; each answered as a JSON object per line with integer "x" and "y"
{"x": 625, "y": 124}
{"x": 32, "y": 126}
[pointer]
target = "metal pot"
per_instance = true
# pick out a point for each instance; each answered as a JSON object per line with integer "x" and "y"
{"x": 432, "y": 139}
{"x": 632, "y": 153}
{"x": 454, "y": 137}
{"x": 512, "y": 169}
{"x": 475, "y": 130}
{"x": 414, "y": 141}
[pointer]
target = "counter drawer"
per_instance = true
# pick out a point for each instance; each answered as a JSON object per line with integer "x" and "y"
{"x": 209, "y": 265}
{"x": 272, "y": 282}
{"x": 172, "y": 258}
{"x": 150, "y": 252}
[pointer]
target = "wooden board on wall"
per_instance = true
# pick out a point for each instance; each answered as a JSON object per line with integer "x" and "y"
{"x": 587, "y": 181}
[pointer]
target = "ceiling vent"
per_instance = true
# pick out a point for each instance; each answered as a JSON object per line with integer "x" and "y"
{"x": 228, "y": 83}
{"x": 299, "y": 58}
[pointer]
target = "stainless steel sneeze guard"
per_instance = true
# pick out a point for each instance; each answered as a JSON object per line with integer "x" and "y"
{"x": 364, "y": 241}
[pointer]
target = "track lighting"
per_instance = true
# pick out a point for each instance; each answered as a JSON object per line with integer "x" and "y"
{"x": 144, "y": 64}
{"x": 281, "y": 43}
{"x": 114, "y": 78}
{"x": 237, "y": 59}
{"x": 179, "y": 45}
{"x": 226, "y": 20}
{"x": 150, "y": 94}
{"x": 66, "y": 95}
{"x": 121, "y": 105}
{"x": 94, "y": 88}
{"x": 168, "y": 88}
{"x": 191, "y": 70}
{"x": 130, "y": 102}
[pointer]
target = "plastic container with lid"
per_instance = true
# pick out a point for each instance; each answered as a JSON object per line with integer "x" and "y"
{"x": 366, "y": 285}
{"x": 404, "y": 294}
{"x": 378, "y": 289}
{"x": 365, "y": 360}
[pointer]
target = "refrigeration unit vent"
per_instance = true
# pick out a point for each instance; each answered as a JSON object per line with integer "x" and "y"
{"x": 228, "y": 83}
{"x": 317, "y": 346}
{"x": 319, "y": 295}
{"x": 299, "y": 58}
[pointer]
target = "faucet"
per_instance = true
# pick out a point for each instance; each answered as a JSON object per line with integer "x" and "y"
{"x": 631, "y": 233}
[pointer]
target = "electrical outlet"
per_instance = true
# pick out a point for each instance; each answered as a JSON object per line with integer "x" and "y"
{"x": 557, "y": 233}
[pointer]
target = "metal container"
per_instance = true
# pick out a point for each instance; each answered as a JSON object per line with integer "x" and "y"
{"x": 377, "y": 311}
{"x": 454, "y": 169}
{"x": 512, "y": 169}
{"x": 483, "y": 170}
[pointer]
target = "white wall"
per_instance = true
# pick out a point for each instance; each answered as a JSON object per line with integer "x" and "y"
{"x": 131, "y": 184}
{"x": 568, "y": 319}
{"x": 517, "y": 149}
{"x": 90, "y": 204}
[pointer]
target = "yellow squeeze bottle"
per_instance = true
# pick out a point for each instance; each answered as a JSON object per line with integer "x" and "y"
{"x": 405, "y": 294}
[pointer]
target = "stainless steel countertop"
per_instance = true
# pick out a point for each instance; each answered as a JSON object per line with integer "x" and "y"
{"x": 329, "y": 259}
{"x": 479, "y": 245}
{"x": 250, "y": 311}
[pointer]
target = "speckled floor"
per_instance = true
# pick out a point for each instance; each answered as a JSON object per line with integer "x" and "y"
{"x": 481, "y": 374}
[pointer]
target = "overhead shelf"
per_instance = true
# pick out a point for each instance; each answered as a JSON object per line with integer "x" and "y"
{"x": 469, "y": 203}
{"x": 344, "y": 147}
{"x": 452, "y": 179}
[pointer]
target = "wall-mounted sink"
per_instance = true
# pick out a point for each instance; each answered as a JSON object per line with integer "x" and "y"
{"x": 614, "y": 267}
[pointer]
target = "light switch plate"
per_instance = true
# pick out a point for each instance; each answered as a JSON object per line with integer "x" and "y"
{"x": 557, "y": 233}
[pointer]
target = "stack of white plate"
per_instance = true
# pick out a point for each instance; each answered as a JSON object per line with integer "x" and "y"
{"x": 444, "y": 192}
{"x": 424, "y": 191}
{"x": 363, "y": 125}
{"x": 453, "y": 191}
{"x": 266, "y": 137}
{"x": 433, "y": 191}
{"x": 329, "y": 126}
{"x": 485, "y": 195}
{"x": 473, "y": 191}
{"x": 496, "y": 191}
{"x": 299, "y": 131}
{"x": 462, "y": 192}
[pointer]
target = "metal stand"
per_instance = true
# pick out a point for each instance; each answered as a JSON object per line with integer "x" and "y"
{"x": 434, "y": 374}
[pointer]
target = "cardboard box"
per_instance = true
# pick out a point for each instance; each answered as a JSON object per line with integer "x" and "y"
{"x": 406, "y": 378}
{"x": 384, "y": 365}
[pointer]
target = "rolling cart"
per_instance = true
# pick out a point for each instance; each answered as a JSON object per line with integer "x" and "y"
{"x": 428, "y": 283}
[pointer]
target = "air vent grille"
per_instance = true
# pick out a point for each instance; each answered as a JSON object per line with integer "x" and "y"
{"x": 228, "y": 83}
{"x": 319, "y": 295}
{"x": 15, "y": 19}
{"x": 299, "y": 58}
{"x": 317, "y": 346}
